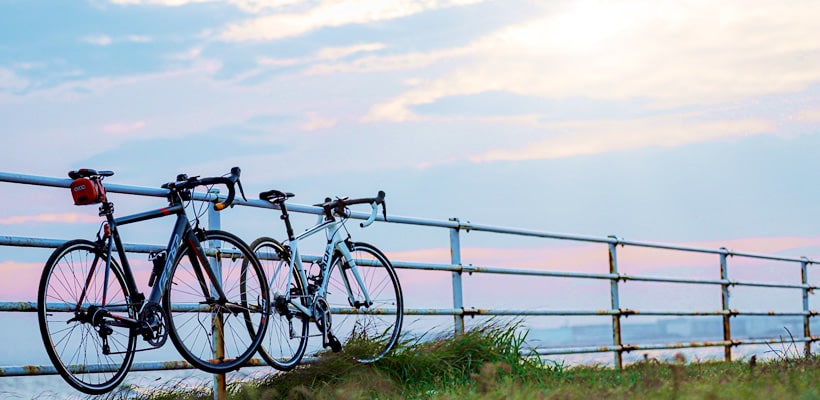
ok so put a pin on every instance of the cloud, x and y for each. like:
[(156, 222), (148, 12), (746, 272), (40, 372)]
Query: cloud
[(166, 3), (139, 39), (98, 40), (670, 54), (397, 62), (281, 62), (810, 115), (28, 66), (19, 281), (122, 128), (105, 40), (594, 137), (332, 13), (187, 55), (120, 108), (11, 82), (327, 53), (254, 6), (594, 258), (66, 218), (315, 121), (334, 53)]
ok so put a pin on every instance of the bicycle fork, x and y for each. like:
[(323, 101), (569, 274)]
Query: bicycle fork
[(350, 265)]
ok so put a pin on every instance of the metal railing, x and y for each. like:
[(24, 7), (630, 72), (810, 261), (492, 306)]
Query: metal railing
[(457, 268)]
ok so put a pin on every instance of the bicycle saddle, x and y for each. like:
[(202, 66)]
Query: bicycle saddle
[(275, 196), (87, 173)]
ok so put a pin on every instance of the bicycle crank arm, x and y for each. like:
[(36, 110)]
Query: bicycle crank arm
[(124, 322)]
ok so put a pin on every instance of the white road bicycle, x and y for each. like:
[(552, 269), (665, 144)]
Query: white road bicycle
[(354, 300)]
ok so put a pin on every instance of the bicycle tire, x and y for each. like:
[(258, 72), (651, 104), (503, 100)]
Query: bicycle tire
[(71, 343), (367, 332), (287, 336), (194, 318)]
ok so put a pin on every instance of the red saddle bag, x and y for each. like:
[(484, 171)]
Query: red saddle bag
[(87, 191)]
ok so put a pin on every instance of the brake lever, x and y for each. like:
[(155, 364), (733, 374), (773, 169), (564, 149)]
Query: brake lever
[(241, 190)]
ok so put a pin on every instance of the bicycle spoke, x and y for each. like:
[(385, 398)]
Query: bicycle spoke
[(74, 346), (374, 334), (192, 333)]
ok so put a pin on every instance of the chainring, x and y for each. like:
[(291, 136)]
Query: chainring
[(321, 312), (154, 327)]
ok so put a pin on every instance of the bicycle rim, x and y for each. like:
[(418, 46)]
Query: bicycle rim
[(211, 336), (367, 332), (74, 347), (286, 339)]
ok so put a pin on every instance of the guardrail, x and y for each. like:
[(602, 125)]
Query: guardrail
[(456, 268)]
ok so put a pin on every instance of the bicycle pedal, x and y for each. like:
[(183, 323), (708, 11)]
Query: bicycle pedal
[(334, 344)]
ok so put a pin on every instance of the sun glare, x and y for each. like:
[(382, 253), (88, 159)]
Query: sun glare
[(584, 26), (590, 25)]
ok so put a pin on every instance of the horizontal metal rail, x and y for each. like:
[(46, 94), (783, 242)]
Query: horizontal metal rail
[(670, 346), (25, 370), (456, 268), (28, 306), (144, 248)]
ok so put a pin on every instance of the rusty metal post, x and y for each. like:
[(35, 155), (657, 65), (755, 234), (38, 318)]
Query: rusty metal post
[(220, 383), (458, 297), (724, 295), (804, 273), (616, 304)]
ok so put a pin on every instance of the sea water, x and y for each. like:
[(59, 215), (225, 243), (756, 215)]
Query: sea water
[(20, 344)]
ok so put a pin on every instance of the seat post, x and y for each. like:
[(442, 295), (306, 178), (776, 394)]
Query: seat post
[(285, 217)]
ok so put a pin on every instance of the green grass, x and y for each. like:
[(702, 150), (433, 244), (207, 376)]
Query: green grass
[(485, 363)]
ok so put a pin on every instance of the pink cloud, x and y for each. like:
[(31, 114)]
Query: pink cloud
[(595, 257), (66, 218), (434, 289), (316, 121), (431, 289), (119, 128), (809, 115), (19, 281)]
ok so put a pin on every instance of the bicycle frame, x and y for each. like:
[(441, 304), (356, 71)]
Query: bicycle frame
[(182, 231), (334, 243)]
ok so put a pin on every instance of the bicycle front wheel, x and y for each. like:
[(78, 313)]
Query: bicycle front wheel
[(212, 333), (367, 331), (287, 335), (84, 343)]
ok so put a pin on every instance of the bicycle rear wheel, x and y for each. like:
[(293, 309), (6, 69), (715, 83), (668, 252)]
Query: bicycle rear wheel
[(287, 335), (75, 334), (369, 332), (211, 334)]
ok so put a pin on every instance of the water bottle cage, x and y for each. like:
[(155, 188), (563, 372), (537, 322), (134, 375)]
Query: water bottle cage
[(159, 263), (315, 279), (312, 288)]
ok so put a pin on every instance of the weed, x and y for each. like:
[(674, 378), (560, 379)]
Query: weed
[(487, 363), (788, 351)]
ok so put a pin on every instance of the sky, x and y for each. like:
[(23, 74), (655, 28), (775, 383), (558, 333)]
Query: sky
[(686, 122)]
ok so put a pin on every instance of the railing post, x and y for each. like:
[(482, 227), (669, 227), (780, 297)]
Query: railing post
[(804, 273), (455, 259), (220, 383), (724, 295), (616, 304)]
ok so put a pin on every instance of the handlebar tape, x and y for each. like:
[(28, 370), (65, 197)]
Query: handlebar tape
[(230, 182)]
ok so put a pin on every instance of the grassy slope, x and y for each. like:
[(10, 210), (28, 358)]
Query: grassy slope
[(485, 364)]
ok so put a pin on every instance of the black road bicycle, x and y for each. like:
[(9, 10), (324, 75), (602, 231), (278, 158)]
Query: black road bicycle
[(208, 292)]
